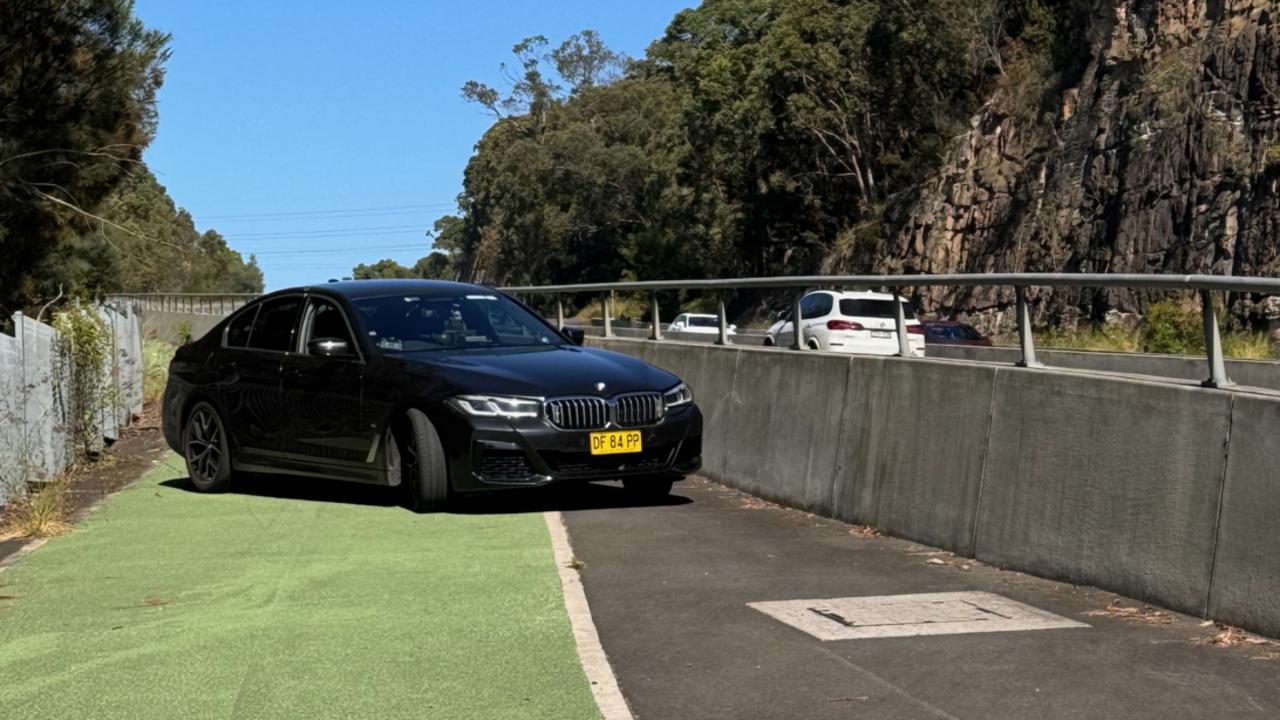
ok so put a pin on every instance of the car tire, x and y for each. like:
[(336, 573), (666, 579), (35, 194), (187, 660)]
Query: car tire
[(205, 449), (648, 488), (424, 472), (814, 344), (768, 341)]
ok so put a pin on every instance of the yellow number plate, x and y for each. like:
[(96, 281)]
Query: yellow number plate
[(613, 443)]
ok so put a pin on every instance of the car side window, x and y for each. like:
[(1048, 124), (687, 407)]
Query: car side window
[(275, 326), (815, 306), (240, 326), (327, 322)]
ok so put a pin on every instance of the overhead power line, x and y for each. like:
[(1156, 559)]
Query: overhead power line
[(319, 232), (329, 213), (360, 249)]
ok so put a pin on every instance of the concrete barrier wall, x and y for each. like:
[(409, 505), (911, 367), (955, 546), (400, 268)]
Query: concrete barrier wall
[(168, 326), (1163, 491), (1254, 373)]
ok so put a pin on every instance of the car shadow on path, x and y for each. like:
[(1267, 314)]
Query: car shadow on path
[(565, 497)]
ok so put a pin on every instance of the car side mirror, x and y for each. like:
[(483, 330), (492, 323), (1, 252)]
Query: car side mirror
[(329, 347), (575, 335)]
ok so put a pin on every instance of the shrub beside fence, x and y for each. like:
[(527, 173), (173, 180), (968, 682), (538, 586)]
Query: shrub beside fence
[(37, 403)]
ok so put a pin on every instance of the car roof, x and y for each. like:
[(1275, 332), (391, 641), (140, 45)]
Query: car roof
[(701, 315), (855, 294), (373, 288)]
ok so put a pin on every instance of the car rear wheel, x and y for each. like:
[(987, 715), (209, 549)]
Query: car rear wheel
[(768, 341), (648, 488), (424, 472), (204, 444)]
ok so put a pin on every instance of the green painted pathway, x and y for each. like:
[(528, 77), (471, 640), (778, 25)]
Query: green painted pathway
[(169, 604)]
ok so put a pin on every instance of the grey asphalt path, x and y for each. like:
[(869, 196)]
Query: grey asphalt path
[(669, 585)]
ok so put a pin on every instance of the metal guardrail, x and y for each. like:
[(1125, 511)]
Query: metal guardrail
[(1205, 285)]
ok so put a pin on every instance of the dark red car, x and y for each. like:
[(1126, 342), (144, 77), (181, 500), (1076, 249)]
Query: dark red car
[(950, 332)]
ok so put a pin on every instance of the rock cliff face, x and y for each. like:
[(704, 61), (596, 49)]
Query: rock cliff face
[(1160, 155)]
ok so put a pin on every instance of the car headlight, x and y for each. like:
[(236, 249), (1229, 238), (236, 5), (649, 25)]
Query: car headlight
[(497, 406), (677, 396)]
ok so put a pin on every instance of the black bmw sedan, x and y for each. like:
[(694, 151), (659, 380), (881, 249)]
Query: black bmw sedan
[(436, 387)]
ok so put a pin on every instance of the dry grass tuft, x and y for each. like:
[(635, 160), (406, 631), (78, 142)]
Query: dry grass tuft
[(42, 514)]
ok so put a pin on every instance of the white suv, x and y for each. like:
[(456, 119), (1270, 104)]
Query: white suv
[(849, 322)]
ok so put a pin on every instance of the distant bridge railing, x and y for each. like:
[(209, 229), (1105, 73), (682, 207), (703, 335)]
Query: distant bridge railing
[(194, 303), (1205, 285)]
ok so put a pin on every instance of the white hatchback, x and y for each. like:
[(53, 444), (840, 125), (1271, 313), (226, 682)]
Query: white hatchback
[(850, 322), (699, 323)]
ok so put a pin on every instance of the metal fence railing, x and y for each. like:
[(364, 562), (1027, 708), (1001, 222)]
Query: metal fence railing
[(1205, 285)]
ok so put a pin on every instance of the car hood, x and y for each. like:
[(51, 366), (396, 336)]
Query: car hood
[(541, 372)]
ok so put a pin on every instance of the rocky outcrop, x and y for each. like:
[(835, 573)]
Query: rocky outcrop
[(1161, 155)]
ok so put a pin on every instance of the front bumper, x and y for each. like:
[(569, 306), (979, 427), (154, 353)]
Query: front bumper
[(496, 453)]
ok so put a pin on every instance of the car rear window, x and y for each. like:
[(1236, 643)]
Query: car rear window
[(274, 327), (852, 307)]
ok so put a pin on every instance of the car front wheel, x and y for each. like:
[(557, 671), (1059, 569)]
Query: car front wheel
[(204, 443), (424, 472)]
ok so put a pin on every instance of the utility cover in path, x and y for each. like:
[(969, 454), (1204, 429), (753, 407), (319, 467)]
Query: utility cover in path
[(854, 618)]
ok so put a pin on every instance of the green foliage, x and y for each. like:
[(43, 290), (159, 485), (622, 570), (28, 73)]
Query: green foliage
[(1169, 327), (184, 332), (78, 80), (156, 355), (753, 135), (1173, 327), (384, 268), (151, 246), (87, 345)]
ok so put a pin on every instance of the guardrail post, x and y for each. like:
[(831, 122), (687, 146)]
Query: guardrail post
[(798, 333), (900, 325), (1024, 331), (605, 302), (724, 325), (559, 313), (655, 332), (1213, 344)]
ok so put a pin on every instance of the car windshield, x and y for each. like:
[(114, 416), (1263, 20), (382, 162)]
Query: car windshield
[(446, 320), (851, 307), (703, 321)]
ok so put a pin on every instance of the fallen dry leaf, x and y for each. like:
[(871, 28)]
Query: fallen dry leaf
[(1145, 614), (864, 531), (936, 561)]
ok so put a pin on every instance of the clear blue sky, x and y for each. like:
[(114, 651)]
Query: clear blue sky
[(315, 108)]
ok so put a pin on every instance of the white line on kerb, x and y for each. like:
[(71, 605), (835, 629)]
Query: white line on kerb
[(604, 685)]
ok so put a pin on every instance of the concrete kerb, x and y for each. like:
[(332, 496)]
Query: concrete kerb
[(1106, 482), (1245, 572)]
